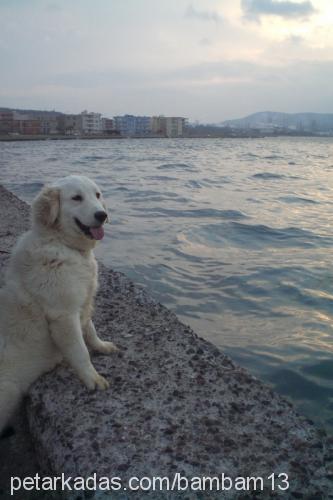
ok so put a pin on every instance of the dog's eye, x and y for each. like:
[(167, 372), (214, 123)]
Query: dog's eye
[(78, 197), (98, 195)]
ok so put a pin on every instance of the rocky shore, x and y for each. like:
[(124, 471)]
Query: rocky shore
[(176, 404)]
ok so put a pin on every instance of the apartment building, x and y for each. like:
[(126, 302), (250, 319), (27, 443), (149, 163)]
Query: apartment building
[(49, 126), (108, 126), (143, 125), (125, 125), (12, 122), (130, 125), (27, 127), (6, 122), (69, 124), (168, 126), (174, 126), (25, 124), (88, 123), (91, 123)]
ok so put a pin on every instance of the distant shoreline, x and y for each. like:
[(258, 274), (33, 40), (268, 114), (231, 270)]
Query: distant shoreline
[(20, 138)]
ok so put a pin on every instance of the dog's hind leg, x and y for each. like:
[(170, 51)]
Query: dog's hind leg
[(10, 396)]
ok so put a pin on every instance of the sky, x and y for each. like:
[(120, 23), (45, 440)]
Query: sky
[(206, 60)]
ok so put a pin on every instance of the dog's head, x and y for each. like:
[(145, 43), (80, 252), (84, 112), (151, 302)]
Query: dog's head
[(74, 208)]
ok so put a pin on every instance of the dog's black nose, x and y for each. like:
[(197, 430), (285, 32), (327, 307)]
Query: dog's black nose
[(101, 216)]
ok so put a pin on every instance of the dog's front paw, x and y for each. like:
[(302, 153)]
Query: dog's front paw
[(96, 381), (106, 347), (102, 383)]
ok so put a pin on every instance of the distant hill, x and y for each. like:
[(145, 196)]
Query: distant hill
[(33, 112), (308, 122)]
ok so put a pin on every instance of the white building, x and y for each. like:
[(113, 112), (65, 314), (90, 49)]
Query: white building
[(91, 123), (174, 126)]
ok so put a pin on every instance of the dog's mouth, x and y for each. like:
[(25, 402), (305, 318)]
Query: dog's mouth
[(94, 233)]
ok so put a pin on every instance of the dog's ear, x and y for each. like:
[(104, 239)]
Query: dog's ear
[(46, 206)]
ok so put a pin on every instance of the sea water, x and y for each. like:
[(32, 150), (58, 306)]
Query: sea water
[(234, 235)]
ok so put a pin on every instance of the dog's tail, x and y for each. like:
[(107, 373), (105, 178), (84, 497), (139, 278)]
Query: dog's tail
[(10, 396)]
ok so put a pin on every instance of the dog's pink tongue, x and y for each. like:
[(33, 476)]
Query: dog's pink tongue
[(97, 232)]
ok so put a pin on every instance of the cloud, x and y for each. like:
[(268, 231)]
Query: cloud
[(205, 41), (295, 39), (253, 9), (52, 7), (203, 15), (211, 92), (174, 57)]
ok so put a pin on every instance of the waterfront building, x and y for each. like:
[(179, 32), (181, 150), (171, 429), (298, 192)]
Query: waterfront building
[(143, 125), (168, 126), (108, 126), (70, 124), (88, 123), (12, 122), (91, 123), (48, 125), (27, 127), (6, 122), (125, 125), (130, 125)]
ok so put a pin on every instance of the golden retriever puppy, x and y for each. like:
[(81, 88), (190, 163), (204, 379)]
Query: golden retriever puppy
[(47, 300)]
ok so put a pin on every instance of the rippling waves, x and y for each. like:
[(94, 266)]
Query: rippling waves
[(234, 235)]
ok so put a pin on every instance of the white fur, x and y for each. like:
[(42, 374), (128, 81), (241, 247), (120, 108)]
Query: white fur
[(47, 300)]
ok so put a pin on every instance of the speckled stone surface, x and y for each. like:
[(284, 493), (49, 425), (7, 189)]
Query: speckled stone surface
[(176, 404)]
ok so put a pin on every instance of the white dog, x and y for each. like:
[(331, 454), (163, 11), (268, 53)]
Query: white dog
[(47, 301)]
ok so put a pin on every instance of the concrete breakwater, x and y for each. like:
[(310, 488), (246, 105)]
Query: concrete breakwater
[(176, 404)]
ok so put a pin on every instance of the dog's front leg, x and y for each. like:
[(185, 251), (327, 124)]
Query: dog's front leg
[(67, 335), (93, 340)]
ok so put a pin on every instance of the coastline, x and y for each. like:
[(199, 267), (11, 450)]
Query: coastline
[(25, 138), (176, 402)]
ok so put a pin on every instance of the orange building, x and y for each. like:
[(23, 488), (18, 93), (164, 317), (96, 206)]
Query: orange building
[(27, 127), (6, 122)]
